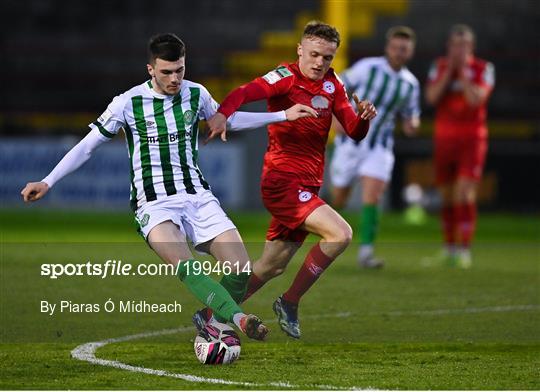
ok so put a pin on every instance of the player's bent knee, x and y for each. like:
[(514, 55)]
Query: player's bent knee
[(343, 236), (346, 236)]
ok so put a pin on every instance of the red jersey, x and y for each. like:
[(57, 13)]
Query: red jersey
[(454, 116), (297, 148)]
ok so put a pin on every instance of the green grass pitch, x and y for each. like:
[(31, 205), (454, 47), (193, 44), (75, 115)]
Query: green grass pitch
[(412, 325)]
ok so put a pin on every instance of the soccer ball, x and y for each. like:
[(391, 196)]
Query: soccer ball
[(217, 344)]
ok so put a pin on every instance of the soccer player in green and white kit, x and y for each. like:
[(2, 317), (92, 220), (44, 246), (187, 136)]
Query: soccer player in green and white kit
[(393, 89), (169, 195)]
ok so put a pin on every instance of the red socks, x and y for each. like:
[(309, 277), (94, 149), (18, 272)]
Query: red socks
[(314, 265), (254, 284), (459, 222), (466, 222), (448, 218)]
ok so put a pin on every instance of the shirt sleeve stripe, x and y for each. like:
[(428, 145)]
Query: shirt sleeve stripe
[(103, 131)]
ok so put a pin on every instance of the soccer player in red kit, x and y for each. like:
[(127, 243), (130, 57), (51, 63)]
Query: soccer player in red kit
[(294, 164), (459, 86)]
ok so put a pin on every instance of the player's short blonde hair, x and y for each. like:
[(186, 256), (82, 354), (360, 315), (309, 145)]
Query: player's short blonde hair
[(401, 32), (461, 30), (316, 28)]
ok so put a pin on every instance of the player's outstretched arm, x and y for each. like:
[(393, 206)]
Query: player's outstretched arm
[(74, 159), (255, 90), (240, 121), (299, 111)]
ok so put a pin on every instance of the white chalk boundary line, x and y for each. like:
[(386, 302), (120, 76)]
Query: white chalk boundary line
[(87, 352)]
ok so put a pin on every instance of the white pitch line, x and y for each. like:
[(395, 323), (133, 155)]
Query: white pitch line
[(87, 352)]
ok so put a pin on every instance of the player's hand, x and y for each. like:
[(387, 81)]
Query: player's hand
[(218, 126), (300, 111), (366, 109), (34, 191)]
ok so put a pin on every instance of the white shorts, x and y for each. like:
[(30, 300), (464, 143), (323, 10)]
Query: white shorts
[(351, 160), (199, 217)]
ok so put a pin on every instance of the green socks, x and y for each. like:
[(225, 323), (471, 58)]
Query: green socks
[(209, 292), (369, 223), (236, 285)]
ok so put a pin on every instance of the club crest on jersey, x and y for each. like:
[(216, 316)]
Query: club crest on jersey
[(189, 117), (319, 102), (329, 87), (304, 196)]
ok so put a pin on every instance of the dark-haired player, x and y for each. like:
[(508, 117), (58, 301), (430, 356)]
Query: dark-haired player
[(294, 164), (171, 200)]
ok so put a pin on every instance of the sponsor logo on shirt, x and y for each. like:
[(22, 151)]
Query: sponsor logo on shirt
[(171, 138), (150, 124), (329, 87), (319, 102), (304, 196)]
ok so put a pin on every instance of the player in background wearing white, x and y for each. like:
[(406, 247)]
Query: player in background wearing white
[(394, 90), (171, 200)]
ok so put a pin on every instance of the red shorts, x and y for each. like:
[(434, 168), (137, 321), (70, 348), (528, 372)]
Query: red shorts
[(459, 157), (290, 203)]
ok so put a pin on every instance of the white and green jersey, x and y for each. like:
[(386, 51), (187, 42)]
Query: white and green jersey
[(391, 92), (161, 133)]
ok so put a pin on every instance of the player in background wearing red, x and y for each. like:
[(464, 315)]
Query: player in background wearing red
[(459, 86), (294, 164)]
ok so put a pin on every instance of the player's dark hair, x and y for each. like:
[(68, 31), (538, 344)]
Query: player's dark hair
[(166, 47), (322, 30), (461, 30), (401, 32)]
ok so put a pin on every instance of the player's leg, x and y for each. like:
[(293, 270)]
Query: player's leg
[(465, 192), (343, 168), (445, 176), (273, 262), (336, 234), (229, 249), (276, 255), (470, 167), (340, 195), (169, 242), (372, 192), (211, 231), (375, 172)]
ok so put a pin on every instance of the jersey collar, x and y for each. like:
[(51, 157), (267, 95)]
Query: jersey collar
[(148, 85)]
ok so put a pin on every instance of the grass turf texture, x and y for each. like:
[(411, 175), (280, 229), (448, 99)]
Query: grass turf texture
[(409, 326)]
